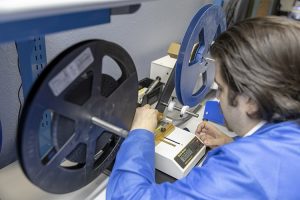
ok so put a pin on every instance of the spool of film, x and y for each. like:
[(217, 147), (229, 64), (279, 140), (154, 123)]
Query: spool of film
[(206, 25), (80, 65)]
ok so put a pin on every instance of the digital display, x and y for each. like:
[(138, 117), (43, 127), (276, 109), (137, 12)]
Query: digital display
[(188, 152)]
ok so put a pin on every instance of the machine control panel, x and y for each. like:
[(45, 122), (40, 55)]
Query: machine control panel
[(188, 152)]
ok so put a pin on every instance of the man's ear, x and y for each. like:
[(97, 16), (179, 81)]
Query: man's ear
[(251, 108)]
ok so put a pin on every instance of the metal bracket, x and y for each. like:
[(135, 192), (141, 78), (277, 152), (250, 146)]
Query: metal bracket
[(32, 60)]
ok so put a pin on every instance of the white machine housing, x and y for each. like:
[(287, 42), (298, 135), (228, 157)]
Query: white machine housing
[(178, 142), (164, 152), (163, 67)]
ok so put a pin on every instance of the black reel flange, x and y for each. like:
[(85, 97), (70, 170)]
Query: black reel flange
[(70, 91)]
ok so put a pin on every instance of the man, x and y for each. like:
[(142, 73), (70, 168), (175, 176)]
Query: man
[(258, 74)]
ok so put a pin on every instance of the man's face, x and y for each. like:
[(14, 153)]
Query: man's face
[(232, 115)]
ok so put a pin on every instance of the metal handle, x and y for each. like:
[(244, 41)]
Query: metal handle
[(115, 129)]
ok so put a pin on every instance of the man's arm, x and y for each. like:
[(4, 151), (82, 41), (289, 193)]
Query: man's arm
[(222, 176), (133, 173), (134, 166)]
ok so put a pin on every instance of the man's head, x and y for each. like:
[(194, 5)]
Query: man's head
[(258, 61)]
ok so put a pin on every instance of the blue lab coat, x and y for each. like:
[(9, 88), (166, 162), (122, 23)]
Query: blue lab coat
[(265, 165)]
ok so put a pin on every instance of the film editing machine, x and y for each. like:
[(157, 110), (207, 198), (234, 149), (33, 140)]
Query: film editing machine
[(90, 112)]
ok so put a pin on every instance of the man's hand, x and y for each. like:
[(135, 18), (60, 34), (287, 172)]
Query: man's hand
[(145, 118), (211, 136)]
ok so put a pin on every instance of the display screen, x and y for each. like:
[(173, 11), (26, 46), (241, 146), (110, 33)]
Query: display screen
[(188, 152)]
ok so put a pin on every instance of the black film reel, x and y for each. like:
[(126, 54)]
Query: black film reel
[(62, 101)]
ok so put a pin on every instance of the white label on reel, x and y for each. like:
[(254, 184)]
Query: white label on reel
[(62, 80)]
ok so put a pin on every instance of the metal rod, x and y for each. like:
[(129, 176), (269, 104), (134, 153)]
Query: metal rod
[(153, 85), (109, 127), (179, 109)]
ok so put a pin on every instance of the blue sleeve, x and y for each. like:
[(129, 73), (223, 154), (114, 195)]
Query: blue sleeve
[(133, 172), (221, 177)]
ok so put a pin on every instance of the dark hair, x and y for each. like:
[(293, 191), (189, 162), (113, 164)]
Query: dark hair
[(260, 58)]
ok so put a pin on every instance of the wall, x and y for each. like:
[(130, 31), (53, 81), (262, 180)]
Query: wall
[(145, 35)]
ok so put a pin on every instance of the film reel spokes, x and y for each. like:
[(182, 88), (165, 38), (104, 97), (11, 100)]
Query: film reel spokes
[(206, 25), (72, 90)]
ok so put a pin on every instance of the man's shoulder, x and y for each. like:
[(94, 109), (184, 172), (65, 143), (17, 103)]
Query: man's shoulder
[(272, 143)]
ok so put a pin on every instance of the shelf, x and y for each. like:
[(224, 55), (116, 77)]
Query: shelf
[(12, 10), (21, 19)]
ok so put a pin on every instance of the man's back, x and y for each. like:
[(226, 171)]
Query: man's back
[(267, 163)]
